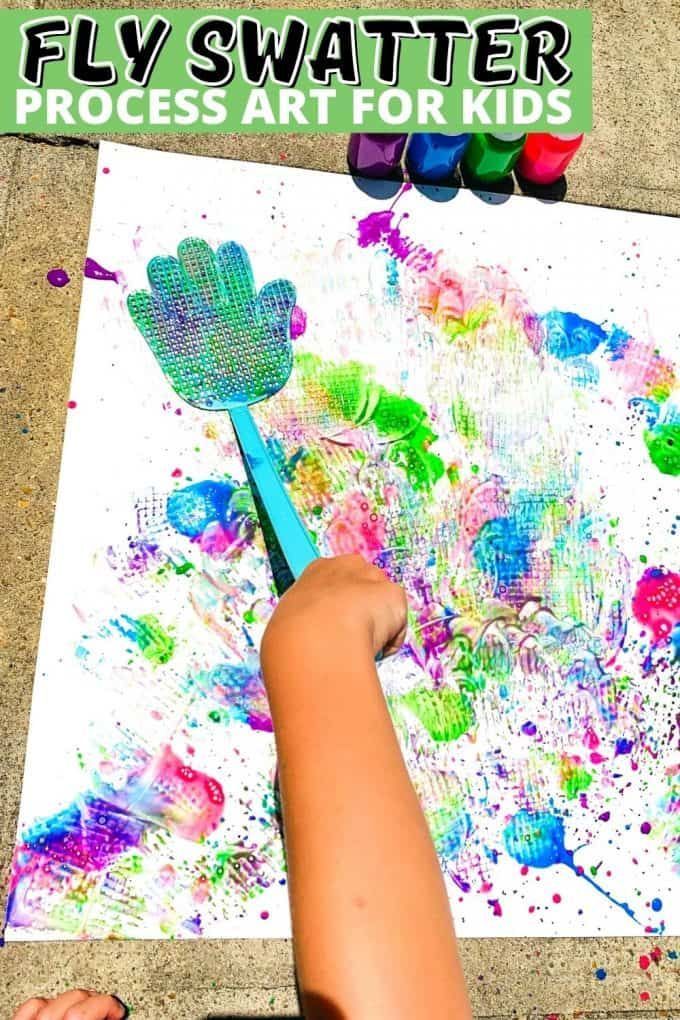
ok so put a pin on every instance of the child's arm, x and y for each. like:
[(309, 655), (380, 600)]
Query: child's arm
[(372, 929)]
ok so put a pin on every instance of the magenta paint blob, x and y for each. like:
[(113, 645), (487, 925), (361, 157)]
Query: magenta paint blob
[(57, 277), (298, 322), (94, 271), (381, 229)]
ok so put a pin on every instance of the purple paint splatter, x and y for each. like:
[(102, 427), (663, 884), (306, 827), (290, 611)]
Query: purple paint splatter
[(57, 277), (94, 271)]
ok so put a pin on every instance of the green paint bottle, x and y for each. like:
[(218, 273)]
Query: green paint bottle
[(490, 157)]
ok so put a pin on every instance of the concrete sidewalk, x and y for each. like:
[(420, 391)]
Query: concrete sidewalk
[(632, 160)]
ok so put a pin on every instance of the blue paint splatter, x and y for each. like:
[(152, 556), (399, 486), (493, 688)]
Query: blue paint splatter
[(89, 834), (501, 550), (239, 688), (600, 973), (617, 343), (536, 840), (568, 335), (657, 904), (450, 839), (190, 510)]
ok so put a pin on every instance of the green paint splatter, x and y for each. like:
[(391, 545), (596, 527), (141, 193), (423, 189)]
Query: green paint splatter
[(573, 779), (134, 864), (464, 420), (471, 321), (153, 641), (663, 446), (353, 395), (446, 714)]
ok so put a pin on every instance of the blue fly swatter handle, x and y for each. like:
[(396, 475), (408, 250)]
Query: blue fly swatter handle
[(291, 534)]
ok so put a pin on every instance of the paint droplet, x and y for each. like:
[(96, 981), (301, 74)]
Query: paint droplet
[(645, 828), (557, 898), (298, 322), (94, 271), (71, 404), (57, 277), (644, 996), (264, 914), (644, 962), (600, 973), (106, 170), (657, 904), (177, 473)]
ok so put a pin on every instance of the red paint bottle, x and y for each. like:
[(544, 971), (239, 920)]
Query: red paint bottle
[(545, 157)]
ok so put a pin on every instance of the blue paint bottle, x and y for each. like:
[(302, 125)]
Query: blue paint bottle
[(433, 158)]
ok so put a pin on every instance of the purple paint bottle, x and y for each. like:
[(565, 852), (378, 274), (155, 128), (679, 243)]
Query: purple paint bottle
[(375, 155)]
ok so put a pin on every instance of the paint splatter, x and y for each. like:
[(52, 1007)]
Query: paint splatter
[(57, 277), (94, 271), (663, 446)]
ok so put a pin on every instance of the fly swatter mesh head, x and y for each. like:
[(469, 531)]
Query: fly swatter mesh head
[(220, 343)]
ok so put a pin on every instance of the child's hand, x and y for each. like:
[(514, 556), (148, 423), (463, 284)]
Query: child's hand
[(75, 1005), (338, 600)]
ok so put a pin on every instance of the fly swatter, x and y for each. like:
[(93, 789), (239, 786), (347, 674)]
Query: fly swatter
[(224, 346)]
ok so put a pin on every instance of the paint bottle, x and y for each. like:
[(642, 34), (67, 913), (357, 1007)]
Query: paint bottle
[(433, 158), (375, 155), (491, 157), (545, 157)]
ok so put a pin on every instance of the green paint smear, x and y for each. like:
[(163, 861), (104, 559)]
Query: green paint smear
[(574, 780), (464, 420), (471, 321), (153, 641), (663, 447), (353, 394), (445, 714)]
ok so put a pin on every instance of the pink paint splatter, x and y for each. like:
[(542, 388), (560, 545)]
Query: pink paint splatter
[(355, 528), (656, 602), (71, 404), (641, 370), (644, 962), (176, 473), (178, 796), (298, 322)]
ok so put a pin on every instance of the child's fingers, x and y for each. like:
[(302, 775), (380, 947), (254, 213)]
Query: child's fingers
[(98, 1007), (30, 1009), (58, 1008), (75, 1005)]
